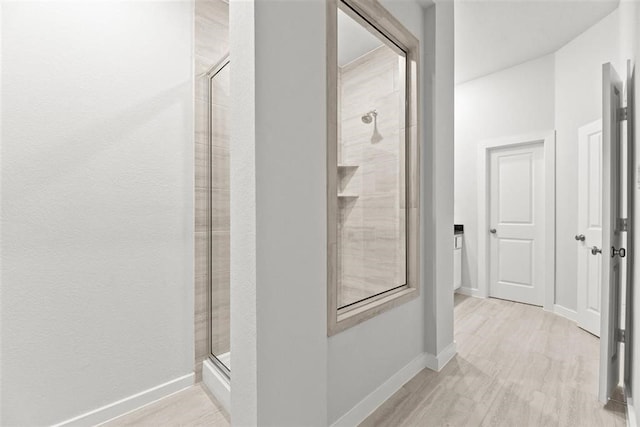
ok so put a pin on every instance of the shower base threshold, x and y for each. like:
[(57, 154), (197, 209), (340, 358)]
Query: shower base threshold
[(217, 383)]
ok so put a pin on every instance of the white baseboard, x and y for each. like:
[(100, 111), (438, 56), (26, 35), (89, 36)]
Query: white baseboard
[(369, 404), (366, 406), (217, 383), (470, 292), (131, 403), (632, 419), (565, 312), (436, 363)]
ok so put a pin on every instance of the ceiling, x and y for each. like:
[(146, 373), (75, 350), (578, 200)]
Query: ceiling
[(354, 40), (493, 35)]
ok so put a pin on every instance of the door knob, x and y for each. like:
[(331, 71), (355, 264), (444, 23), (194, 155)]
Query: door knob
[(595, 250), (580, 237), (492, 230), (620, 252)]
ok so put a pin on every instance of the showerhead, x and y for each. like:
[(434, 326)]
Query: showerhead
[(368, 118)]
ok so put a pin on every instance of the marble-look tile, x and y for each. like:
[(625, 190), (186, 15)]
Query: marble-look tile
[(211, 44), (202, 169), (220, 251), (220, 167), (201, 204), (371, 229), (201, 251)]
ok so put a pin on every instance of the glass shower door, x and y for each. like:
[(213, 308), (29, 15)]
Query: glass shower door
[(219, 209)]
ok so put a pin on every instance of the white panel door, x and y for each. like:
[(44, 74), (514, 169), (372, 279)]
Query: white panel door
[(589, 232), (611, 234), (516, 223)]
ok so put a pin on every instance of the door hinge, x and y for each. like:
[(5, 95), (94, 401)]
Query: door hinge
[(621, 336), (623, 224), (622, 114)]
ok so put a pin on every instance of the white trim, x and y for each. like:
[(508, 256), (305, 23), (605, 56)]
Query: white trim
[(472, 292), (436, 363), (131, 403), (217, 383), (369, 404), (565, 312), (632, 418), (548, 138), (583, 318)]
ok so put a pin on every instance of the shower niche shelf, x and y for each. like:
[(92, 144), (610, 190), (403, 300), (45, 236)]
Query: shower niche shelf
[(345, 172), (346, 168)]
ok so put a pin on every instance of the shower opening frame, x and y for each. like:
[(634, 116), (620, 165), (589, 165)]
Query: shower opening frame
[(211, 74), (374, 17)]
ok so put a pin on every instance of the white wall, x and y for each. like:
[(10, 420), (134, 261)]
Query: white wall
[(438, 165), (561, 91), (515, 101), (278, 213), (578, 100), (358, 363), (278, 299), (97, 211)]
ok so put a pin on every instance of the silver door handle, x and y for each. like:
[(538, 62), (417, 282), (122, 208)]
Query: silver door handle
[(580, 237), (620, 252), (595, 250), (492, 230)]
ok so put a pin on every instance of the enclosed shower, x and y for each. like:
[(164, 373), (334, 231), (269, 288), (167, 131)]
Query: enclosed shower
[(212, 186), (371, 241), (219, 250)]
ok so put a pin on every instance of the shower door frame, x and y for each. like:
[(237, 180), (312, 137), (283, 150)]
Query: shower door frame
[(372, 15), (213, 71)]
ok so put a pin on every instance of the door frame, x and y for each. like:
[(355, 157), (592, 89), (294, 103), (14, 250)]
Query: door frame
[(585, 130), (548, 139)]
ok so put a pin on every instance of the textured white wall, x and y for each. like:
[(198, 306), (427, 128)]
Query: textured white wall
[(578, 101), (561, 91), (244, 397), (97, 204), (438, 161), (358, 363), (281, 353), (278, 213), (515, 101)]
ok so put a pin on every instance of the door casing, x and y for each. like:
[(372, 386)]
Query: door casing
[(587, 318), (548, 139)]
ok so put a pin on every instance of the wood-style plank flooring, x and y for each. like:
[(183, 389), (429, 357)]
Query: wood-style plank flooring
[(517, 365), (191, 407)]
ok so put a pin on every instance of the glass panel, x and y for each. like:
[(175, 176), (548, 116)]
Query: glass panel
[(219, 140), (371, 162)]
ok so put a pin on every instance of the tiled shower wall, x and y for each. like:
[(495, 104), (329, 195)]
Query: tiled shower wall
[(211, 45), (371, 225)]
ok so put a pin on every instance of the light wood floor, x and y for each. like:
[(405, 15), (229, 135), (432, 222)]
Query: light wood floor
[(516, 366), (191, 407)]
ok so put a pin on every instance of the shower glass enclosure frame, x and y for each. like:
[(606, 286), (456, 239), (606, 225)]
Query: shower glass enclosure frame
[(220, 360), (372, 16)]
